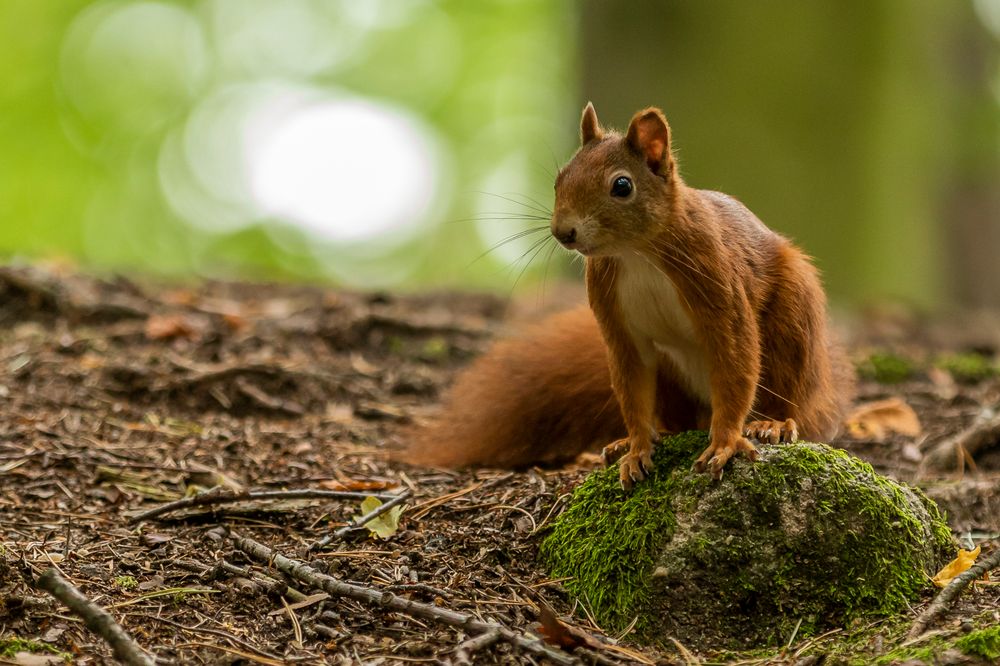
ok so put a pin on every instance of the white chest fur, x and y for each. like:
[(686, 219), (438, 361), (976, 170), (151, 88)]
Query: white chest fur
[(658, 321)]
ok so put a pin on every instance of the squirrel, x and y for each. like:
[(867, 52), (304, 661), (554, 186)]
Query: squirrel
[(700, 316)]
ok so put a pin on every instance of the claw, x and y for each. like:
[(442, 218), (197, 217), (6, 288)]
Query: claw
[(772, 432), (635, 465), (613, 451), (714, 458)]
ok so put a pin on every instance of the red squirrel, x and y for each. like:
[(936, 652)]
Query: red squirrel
[(700, 316)]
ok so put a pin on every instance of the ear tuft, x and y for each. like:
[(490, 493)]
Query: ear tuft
[(590, 128), (649, 136)]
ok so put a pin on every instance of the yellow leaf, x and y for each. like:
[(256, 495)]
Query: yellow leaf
[(965, 559), (877, 420), (383, 526)]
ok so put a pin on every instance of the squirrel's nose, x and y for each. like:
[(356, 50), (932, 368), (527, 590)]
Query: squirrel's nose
[(566, 236)]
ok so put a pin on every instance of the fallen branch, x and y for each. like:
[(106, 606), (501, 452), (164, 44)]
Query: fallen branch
[(202, 374), (96, 618), (469, 623), (221, 495), (952, 452), (363, 520), (947, 596)]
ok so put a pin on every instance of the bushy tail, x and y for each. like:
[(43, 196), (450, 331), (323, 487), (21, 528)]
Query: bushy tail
[(542, 397)]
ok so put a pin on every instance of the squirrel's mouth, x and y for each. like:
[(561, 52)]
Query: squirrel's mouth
[(575, 246)]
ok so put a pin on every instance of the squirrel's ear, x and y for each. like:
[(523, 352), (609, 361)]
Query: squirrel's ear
[(590, 129), (649, 136)]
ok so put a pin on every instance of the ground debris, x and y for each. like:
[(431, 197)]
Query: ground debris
[(105, 415)]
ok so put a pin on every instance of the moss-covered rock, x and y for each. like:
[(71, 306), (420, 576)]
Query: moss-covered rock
[(809, 537)]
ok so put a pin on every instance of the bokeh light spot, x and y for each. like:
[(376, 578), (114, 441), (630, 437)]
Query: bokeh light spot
[(345, 169), (133, 67)]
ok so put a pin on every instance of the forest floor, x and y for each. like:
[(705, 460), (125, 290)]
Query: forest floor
[(116, 398)]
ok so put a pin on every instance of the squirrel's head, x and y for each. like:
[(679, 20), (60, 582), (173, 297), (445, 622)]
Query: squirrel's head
[(610, 196)]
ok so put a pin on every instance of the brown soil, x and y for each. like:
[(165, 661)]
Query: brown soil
[(115, 398)]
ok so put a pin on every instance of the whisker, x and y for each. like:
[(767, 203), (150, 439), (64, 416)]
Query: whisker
[(545, 274), (761, 416), (688, 265), (508, 239), (537, 247), (674, 261), (515, 201), (499, 217), (776, 395), (555, 160), (549, 174), (680, 292), (512, 265), (539, 206)]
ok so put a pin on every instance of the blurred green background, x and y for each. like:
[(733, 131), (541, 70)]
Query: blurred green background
[(391, 143)]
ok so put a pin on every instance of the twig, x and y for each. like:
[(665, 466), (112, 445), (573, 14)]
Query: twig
[(946, 596), (427, 505), (306, 574), (363, 520), (96, 618), (222, 495), (214, 572), (465, 650), (420, 587)]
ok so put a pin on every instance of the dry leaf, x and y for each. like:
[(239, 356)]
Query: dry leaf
[(202, 476), (184, 297), (235, 321), (362, 366), (168, 327), (875, 421), (965, 559), (35, 659), (558, 633), (383, 526), (340, 413)]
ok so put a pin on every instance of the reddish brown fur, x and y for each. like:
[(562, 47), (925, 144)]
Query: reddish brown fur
[(543, 397), (754, 303)]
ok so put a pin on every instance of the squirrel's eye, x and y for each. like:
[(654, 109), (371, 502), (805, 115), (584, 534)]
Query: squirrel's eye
[(622, 187)]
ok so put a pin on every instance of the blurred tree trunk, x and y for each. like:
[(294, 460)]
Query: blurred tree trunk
[(971, 210), (837, 123)]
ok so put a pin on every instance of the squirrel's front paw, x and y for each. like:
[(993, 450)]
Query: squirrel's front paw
[(635, 465), (718, 453)]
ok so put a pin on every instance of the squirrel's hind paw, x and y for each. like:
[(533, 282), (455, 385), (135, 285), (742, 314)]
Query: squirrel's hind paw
[(613, 451), (772, 431)]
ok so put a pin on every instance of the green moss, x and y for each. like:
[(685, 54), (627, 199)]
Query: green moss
[(886, 368), (607, 539), (434, 349), (967, 368), (808, 537), (925, 654), (9, 647), (126, 582), (983, 643)]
